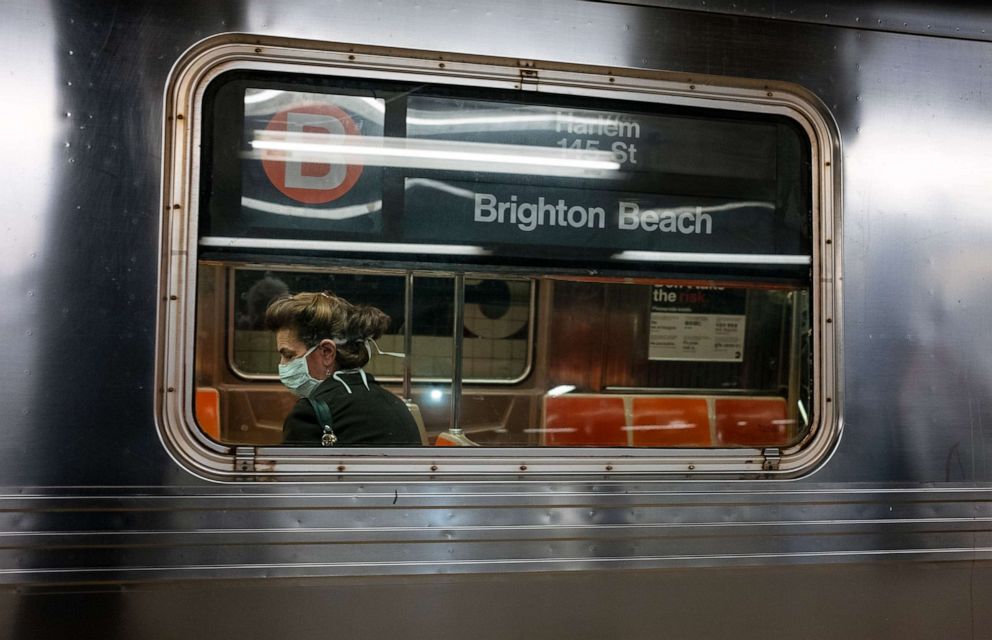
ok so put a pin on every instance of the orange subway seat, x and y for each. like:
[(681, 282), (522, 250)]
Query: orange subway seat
[(592, 420), (660, 421), (752, 422), (448, 439), (207, 407)]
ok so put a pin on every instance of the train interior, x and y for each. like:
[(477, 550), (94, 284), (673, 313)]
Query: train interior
[(544, 361)]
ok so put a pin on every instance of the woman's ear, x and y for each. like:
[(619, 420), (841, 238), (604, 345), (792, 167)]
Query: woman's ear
[(328, 352)]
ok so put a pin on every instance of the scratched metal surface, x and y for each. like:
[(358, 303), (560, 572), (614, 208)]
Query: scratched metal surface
[(90, 497)]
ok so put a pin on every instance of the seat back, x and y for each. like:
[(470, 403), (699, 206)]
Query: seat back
[(670, 421), (590, 420), (419, 419), (752, 422), (456, 439), (665, 421), (207, 406)]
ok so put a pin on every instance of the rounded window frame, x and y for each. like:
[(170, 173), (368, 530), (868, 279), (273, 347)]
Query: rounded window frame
[(182, 132)]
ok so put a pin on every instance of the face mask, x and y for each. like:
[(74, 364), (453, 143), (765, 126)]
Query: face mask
[(296, 375)]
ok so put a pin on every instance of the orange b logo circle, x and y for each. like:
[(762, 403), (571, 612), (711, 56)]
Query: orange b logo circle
[(312, 182)]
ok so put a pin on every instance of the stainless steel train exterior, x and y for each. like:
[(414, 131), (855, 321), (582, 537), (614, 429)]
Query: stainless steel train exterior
[(105, 533)]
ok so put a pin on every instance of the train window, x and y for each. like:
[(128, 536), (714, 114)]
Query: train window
[(632, 275)]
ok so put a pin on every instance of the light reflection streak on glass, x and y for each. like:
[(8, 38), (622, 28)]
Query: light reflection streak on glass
[(494, 117), (557, 119), (468, 194), (263, 95), (659, 427), (560, 390), (712, 258), (255, 101), (340, 246), (338, 213), (290, 146)]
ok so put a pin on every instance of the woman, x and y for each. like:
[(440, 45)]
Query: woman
[(323, 343)]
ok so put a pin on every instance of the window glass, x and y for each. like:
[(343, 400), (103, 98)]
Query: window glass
[(558, 271)]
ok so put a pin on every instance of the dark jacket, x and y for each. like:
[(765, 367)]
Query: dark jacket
[(370, 417)]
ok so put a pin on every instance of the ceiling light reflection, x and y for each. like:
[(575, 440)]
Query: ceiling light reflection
[(341, 246), (336, 213), (254, 96), (712, 258), (293, 146)]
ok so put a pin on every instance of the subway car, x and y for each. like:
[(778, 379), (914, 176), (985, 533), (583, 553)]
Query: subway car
[(689, 301)]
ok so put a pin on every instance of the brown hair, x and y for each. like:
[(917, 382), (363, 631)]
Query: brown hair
[(319, 316)]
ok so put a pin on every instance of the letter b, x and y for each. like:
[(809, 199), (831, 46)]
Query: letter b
[(485, 207), (629, 218)]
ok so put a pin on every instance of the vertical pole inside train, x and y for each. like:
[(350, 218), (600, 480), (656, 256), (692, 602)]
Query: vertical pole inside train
[(798, 330), (407, 335), (456, 353)]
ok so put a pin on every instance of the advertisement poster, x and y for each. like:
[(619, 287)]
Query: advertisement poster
[(697, 323)]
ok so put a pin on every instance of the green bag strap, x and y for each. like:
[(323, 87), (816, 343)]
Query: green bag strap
[(327, 439)]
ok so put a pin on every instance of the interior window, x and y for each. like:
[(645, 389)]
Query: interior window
[(497, 323)]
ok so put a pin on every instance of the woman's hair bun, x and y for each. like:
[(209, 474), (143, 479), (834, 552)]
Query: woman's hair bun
[(365, 322)]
